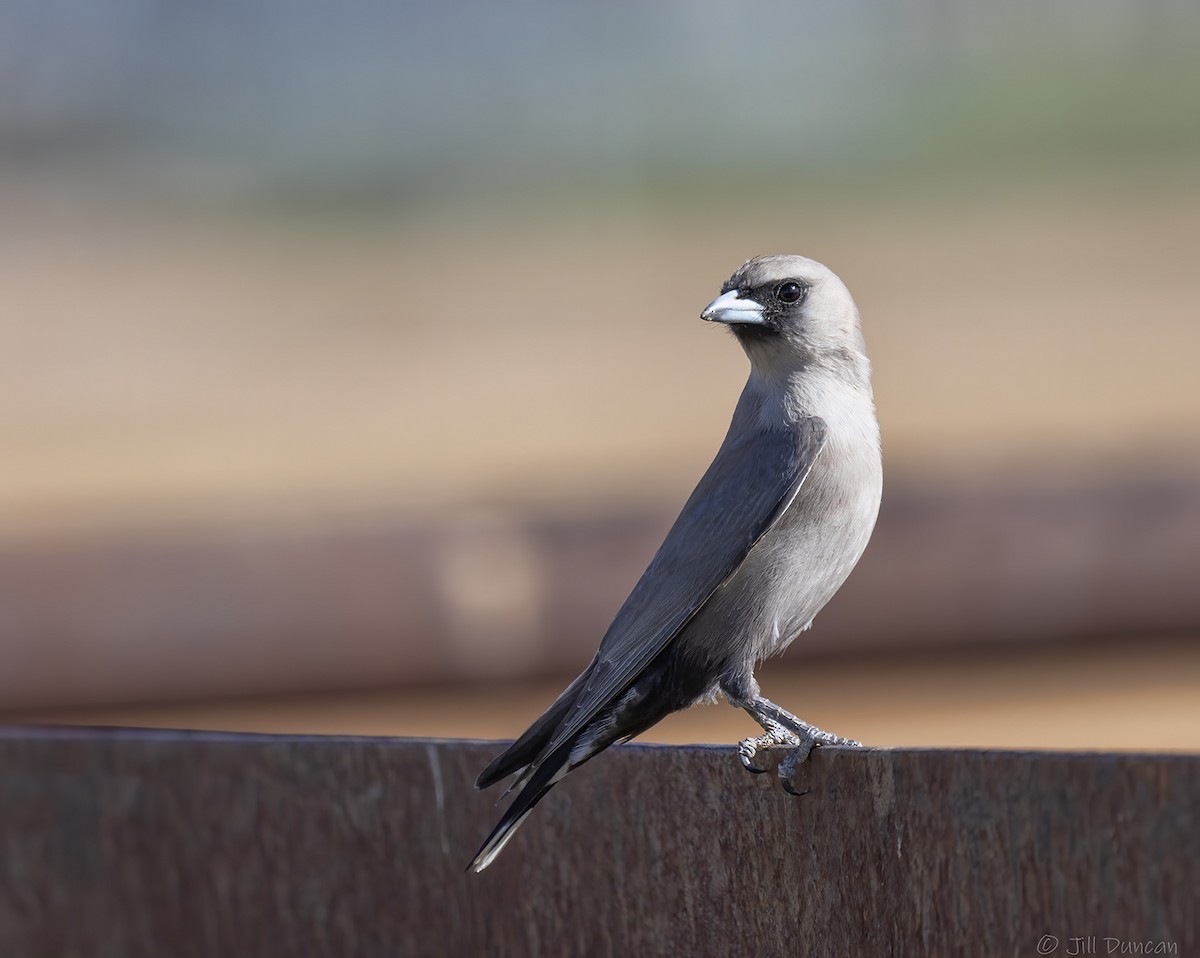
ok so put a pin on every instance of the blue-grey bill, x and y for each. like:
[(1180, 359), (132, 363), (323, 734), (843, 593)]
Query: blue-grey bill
[(732, 308)]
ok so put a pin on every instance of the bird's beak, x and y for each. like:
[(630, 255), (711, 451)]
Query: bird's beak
[(730, 308)]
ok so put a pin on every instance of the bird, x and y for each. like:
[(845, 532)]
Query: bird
[(770, 533)]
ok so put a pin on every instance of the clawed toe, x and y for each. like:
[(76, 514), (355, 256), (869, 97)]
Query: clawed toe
[(749, 749), (795, 758), (801, 754)]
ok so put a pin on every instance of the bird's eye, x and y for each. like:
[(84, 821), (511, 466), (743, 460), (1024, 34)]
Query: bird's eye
[(789, 292)]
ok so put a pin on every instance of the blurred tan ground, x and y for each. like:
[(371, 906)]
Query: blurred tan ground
[(154, 368), (1132, 694)]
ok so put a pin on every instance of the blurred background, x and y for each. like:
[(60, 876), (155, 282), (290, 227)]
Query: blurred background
[(351, 368)]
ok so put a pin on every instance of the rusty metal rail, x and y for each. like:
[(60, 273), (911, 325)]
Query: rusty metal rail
[(987, 561), (127, 843)]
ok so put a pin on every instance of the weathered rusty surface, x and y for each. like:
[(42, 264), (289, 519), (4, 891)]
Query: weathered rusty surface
[(473, 594), (131, 843)]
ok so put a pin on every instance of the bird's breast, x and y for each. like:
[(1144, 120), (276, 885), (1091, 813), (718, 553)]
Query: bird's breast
[(800, 563)]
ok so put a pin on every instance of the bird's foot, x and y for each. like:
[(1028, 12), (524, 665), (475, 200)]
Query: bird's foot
[(781, 727), (770, 716), (749, 748), (811, 738)]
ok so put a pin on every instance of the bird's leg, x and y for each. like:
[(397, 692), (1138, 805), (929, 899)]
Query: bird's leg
[(780, 727), (783, 728), (767, 714)]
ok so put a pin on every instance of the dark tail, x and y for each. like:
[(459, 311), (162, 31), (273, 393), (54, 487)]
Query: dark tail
[(544, 777), (634, 711), (528, 747)]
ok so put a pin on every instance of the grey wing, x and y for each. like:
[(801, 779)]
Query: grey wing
[(746, 489)]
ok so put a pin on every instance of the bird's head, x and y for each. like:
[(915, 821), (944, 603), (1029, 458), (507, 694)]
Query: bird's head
[(790, 312)]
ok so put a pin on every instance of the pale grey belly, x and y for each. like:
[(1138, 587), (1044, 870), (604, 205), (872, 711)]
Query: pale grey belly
[(791, 573)]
